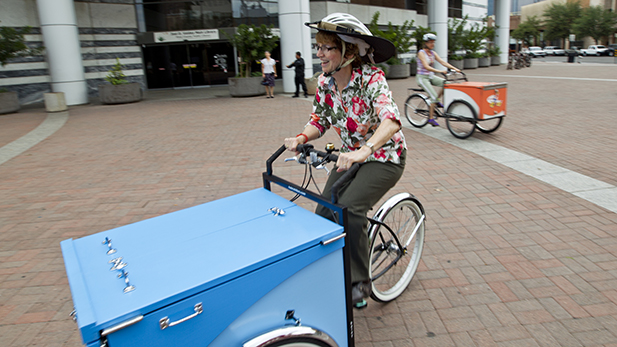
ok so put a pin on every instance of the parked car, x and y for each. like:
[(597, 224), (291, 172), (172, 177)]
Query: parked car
[(595, 50), (611, 49), (534, 51), (554, 50), (575, 49)]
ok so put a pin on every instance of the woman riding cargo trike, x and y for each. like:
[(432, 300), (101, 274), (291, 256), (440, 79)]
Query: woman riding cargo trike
[(255, 269)]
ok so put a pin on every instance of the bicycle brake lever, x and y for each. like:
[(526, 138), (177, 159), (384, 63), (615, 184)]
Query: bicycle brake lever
[(300, 160), (323, 167)]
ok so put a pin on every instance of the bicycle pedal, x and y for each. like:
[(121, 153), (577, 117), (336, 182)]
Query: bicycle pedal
[(360, 305)]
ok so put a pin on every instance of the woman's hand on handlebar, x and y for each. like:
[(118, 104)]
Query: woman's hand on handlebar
[(292, 142), (346, 160)]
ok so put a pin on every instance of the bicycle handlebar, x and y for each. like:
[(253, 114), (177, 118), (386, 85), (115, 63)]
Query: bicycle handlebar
[(307, 149), (452, 73)]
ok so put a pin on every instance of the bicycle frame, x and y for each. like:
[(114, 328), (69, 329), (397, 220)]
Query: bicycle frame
[(339, 210)]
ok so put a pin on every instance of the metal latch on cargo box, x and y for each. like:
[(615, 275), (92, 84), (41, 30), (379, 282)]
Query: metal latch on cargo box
[(277, 211)]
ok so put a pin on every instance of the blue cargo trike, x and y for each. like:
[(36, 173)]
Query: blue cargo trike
[(250, 270)]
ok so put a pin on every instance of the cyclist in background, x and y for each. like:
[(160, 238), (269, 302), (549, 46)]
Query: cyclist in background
[(425, 76), (353, 98)]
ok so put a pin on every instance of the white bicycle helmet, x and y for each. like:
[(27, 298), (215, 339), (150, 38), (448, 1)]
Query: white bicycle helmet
[(429, 36), (351, 30)]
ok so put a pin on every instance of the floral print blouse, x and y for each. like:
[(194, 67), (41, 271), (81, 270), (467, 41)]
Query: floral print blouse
[(356, 113)]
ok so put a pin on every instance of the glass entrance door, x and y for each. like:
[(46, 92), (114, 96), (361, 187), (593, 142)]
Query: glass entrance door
[(188, 65)]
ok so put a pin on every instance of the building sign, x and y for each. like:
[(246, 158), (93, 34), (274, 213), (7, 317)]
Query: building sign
[(187, 35)]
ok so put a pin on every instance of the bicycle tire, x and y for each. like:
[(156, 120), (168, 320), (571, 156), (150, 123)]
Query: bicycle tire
[(299, 342), (417, 110), (392, 268), (489, 125), (461, 119)]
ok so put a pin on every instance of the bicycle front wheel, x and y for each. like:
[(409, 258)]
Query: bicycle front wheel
[(395, 253), (299, 343), (489, 125), (461, 119), (416, 110)]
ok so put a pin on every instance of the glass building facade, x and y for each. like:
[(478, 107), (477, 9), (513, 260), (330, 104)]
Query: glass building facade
[(174, 59)]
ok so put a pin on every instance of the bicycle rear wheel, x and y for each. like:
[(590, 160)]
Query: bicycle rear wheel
[(416, 110), (461, 119), (395, 253)]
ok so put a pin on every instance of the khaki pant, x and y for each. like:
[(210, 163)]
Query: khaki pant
[(371, 183)]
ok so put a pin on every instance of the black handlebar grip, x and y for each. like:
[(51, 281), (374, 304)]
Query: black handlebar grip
[(273, 157), (346, 177)]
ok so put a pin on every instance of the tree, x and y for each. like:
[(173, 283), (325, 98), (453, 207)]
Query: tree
[(472, 40), (559, 19), (456, 34), (528, 31), (252, 42), (12, 44), (595, 22), (398, 35)]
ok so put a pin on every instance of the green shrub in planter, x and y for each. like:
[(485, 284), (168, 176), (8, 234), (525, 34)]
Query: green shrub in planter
[(115, 75), (120, 90), (495, 53), (9, 102), (252, 42), (13, 45), (398, 35)]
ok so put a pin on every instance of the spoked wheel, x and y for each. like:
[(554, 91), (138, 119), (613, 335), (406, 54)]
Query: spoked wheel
[(461, 119), (394, 259), (416, 110), (489, 125)]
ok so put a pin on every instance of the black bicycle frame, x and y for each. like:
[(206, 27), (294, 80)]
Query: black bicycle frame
[(341, 212), (398, 244)]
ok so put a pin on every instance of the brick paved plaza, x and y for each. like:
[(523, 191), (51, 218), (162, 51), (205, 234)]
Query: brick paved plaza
[(509, 259)]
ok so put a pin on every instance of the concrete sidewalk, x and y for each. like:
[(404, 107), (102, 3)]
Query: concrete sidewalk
[(510, 260)]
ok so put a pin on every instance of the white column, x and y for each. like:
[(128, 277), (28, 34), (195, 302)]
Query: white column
[(295, 37), (63, 50), (438, 22), (502, 21)]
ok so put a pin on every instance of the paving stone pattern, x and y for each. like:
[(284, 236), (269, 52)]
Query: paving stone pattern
[(509, 260)]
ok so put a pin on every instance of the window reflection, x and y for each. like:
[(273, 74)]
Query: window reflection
[(173, 15), (255, 12)]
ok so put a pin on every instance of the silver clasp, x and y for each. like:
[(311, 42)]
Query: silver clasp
[(277, 211), (118, 264), (125, 275), (107, 242)]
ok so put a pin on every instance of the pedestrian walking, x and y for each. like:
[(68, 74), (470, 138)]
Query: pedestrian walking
[(299, 66)]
